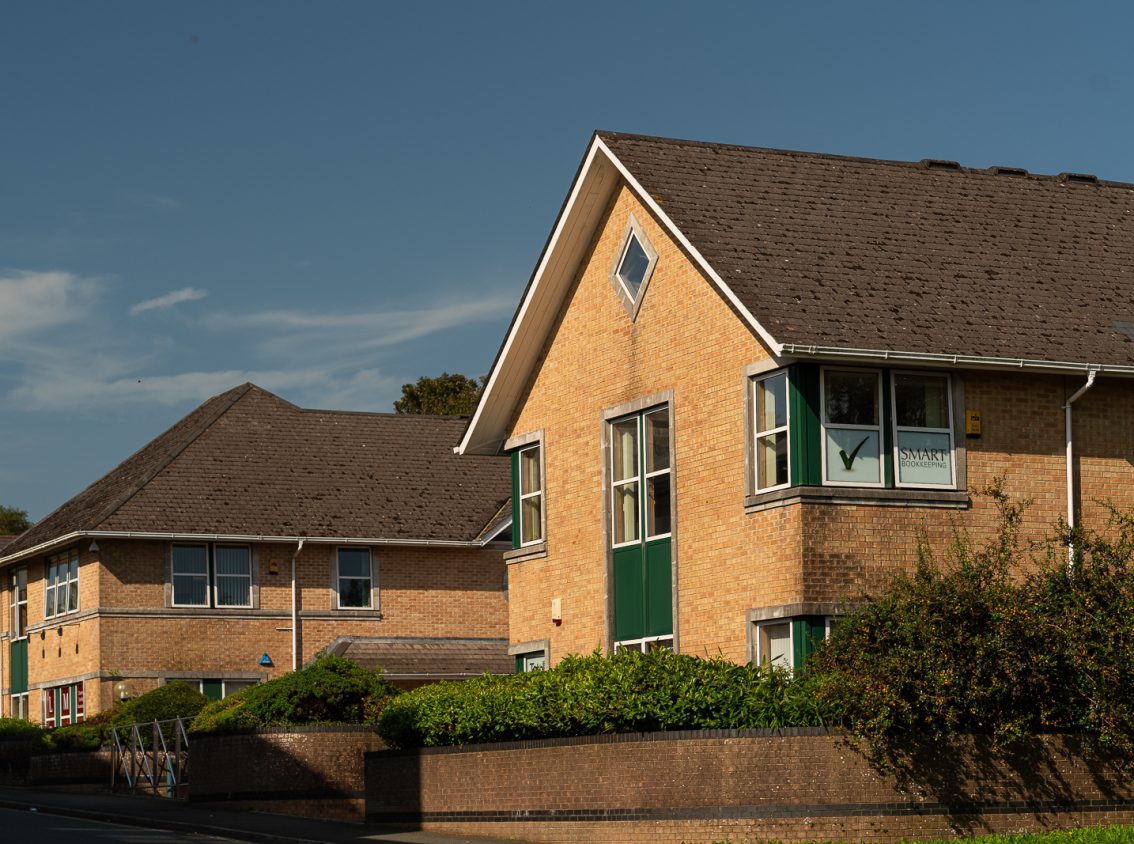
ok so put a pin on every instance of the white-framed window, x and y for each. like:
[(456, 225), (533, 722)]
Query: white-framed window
[(18, 604), (19, 706), (530, 472), (533, 661), (633, 267), (354, 579), (851, 421), (922, 405), (646, 645), (640, 456), (207, 575), (216, 689), (61, 584), (770, 428), (774, 644)]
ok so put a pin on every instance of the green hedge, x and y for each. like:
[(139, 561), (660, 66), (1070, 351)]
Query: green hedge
[(332, 690), (628, 692), (18, 728)]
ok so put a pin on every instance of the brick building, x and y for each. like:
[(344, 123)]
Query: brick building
[(742, 382), (245, 539)]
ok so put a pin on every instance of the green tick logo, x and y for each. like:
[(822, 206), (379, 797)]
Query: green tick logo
[(848, 459)]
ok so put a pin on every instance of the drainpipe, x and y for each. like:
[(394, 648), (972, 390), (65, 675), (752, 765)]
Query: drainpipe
[(1070, 461), (295, 605)]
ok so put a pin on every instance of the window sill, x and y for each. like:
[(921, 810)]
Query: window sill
[(867, 496), (534, 551), (345, 612)]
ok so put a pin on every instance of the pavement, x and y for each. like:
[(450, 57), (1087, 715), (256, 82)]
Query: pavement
[(179, 816)]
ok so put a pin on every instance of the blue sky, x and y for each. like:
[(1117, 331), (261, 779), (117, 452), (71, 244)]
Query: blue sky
[(333, 198)]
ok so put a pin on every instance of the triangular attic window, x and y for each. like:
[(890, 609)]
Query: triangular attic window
[(635, 265)]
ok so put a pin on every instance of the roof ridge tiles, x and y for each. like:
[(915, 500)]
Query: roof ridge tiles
[(862, 159)]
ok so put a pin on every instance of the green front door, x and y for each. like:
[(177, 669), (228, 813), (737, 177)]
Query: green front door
[(641, 530)]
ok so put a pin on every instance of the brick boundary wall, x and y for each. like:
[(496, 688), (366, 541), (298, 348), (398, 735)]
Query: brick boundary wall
[(15, 757), (306, 771), (792, 785), (79, 769)]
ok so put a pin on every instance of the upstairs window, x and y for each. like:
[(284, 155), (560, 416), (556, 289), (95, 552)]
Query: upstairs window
[(354, 579), (61, 584), (531, 494), (18, 625), (852, 427), (770, 402), (212, 575), (923, 430), (633, 267)]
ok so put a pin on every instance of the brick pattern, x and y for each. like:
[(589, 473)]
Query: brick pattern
[(737, 785), (688, 341), (87, 771), (136, 638), (310, 772)]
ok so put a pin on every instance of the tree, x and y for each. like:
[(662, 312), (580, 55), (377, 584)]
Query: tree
[(13, 521), (445, 395)]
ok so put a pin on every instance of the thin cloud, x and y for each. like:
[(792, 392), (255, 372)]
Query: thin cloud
[(174, 297), (312, 387), (31, 302), (153, 200)]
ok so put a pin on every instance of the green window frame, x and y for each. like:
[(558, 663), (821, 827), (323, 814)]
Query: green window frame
[(531, 661), (907, 443)]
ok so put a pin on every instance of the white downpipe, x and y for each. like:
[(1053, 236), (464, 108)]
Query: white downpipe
[(295, 610), (1070, 442)]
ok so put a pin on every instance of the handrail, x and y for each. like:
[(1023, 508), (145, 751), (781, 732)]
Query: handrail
[(144, 760)]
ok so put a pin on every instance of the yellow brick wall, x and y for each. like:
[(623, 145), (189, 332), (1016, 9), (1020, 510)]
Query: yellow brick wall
[(687, 340), (422, 592)]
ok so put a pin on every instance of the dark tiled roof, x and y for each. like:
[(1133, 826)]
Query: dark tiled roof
[(427, 659), (5, 541), (249, 463), (857, 253)]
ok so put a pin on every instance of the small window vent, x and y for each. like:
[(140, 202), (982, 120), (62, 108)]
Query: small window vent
[(939, 164), (1080, 178), (1008, 171)]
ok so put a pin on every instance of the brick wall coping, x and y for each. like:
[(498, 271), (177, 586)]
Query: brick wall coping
[(262, 731), (612, 738)]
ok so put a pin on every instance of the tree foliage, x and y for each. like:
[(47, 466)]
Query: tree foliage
[(13, 521), (445, 395)]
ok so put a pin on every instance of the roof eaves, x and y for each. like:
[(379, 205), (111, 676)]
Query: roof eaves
[(802, 350)]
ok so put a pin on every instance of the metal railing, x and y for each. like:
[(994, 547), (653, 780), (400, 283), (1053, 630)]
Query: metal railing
[(151, 758)]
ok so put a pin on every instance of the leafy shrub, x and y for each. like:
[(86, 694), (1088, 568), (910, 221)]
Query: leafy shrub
[(18, 728), (627, 692), (91, 734), (173, 700), (966, 648), (332, 690)]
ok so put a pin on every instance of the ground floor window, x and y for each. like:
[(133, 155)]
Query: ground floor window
[(18, 706), (219, 689), (788, 642), (532, 661), (63, 705), (647, 645)]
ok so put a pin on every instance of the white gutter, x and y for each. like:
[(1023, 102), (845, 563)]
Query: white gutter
[(241, 537), (974, 361), (1070, 460), (295, 610)]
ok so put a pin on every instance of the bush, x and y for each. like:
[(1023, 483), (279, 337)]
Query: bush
[(18, 728), (91, 734), (965, 648), (173, 700), (627, 692), (332, 690)]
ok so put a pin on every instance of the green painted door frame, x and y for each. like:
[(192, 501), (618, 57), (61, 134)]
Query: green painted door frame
[(643, 571)]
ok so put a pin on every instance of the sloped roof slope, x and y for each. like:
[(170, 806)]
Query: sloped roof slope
[(247, 463), (863, 254)]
